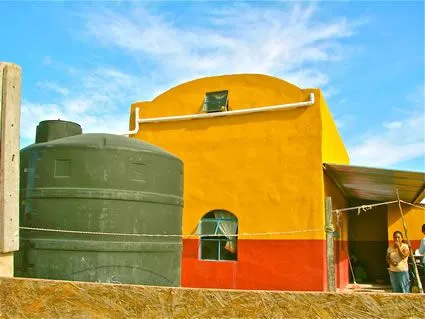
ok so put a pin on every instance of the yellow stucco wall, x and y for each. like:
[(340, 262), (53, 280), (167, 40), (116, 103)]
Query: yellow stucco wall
[(333, 151), (414, 217), (338, 201), (265, 167), (333, 148)]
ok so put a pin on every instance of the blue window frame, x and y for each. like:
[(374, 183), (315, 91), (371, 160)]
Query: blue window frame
[(218, 234)]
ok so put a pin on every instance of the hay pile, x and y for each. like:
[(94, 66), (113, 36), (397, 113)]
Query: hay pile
[(31, 298)]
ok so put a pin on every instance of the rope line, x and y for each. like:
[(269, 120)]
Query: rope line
[(417, 206), (365, 208), (163, 235)]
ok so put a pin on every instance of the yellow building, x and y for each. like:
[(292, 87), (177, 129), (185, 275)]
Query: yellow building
[(253, 147)]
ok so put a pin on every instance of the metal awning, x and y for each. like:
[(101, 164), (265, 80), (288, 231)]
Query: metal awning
[(377, 184)]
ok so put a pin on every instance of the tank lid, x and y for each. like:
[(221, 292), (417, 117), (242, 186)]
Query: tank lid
[(108, 141), (50, 130), (58, 121)]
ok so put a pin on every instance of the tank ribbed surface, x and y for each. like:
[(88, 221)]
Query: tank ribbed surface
[(101, 183)]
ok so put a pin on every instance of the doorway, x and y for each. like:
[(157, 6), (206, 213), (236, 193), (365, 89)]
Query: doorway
[(368, 242)]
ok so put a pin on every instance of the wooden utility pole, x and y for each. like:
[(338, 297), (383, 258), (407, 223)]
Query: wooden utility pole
[(330, 244), (10, 104)]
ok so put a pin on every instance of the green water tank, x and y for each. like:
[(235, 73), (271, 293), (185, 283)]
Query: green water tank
[(122, 192)]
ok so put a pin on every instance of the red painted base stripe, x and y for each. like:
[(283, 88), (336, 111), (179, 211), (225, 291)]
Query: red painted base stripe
[(342, 275), (263, 264)]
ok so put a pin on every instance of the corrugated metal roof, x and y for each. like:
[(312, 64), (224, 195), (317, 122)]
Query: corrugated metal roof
[(377, 184)]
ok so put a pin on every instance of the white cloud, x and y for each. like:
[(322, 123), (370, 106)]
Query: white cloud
[(282, 42), (393, 125), (344, 121), (330, 91), (382, 152), (49, 61), (401, 140), (53, 86), (290, 43), (99, 101)]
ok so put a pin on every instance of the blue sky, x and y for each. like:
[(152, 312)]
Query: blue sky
[(87, 61)]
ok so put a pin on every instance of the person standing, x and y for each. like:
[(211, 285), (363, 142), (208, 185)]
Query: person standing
[(397, 255), (421, 249)]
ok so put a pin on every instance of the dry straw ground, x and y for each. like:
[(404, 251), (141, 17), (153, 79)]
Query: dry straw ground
[(30, 298)]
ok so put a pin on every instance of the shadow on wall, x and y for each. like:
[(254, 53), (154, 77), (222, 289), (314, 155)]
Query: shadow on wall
[(368, 242)]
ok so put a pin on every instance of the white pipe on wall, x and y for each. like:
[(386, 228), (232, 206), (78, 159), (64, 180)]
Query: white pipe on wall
[(136, 123), (219, 114)]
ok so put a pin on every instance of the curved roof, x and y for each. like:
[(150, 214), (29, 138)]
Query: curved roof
[(244, 91), (248, 78)]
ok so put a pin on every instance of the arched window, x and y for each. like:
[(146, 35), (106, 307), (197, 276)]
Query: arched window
[(218, 230)]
